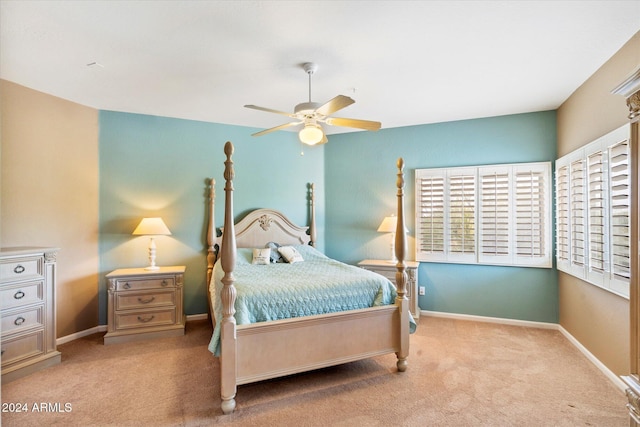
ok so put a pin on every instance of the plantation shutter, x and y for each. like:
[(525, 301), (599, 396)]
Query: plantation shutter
[(592, 212), (495, 238), (577, 213), (496, 214), (461, 222), (532, 215), (620, 214), (596, 209), (562, 215), (430, 215)]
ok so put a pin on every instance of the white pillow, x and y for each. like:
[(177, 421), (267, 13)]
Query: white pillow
[(261, 256), (290, 253)]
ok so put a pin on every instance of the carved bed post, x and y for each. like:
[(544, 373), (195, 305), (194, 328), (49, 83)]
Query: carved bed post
[(211, 236), (228, 295), (312, 226), (401, 275)]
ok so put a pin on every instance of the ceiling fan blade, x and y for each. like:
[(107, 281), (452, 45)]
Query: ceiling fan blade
[(335, 104), (353, 123), (269, 110), (284, 126)]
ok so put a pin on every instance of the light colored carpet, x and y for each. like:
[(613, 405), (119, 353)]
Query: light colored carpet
[(460, 373)]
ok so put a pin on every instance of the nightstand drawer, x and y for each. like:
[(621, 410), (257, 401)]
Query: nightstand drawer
[(138, 284), (389, 274), (126, 301), (18, 296), (18, 320), (23, 347), (23, 269), (145, 319)]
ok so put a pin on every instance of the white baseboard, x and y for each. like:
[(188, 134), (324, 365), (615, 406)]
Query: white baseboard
[(606, 371), (203, 316), (103, 328), (86, 332), (513, 322)]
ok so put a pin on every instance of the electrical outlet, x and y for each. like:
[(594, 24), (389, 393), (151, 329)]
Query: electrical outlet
[(421, 290)]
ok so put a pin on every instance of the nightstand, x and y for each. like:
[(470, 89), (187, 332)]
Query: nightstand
[(144, 304), (28, 310), (388, 270)]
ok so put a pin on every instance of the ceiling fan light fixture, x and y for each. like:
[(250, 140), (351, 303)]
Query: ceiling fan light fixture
[(311, 134)]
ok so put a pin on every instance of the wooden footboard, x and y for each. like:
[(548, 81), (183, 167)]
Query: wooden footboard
[(266, 350)]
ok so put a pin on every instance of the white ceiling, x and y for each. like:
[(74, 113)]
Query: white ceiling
[(404, 62)]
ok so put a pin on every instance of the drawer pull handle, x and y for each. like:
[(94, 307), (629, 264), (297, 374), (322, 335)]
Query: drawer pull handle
[(19, 295), (145, 319), (19, 269), (165, 283), (145, 301), (19, 321), (2, 354), (126, 285)]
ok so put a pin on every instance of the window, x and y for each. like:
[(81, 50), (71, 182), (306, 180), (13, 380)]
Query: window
[(592, 212), (495, 214)]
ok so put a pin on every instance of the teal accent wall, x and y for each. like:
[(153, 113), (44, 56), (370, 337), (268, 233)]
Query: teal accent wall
[(157, 166), (360, 175)]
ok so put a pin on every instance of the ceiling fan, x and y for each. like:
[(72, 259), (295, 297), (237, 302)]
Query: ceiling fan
[(312, 114)]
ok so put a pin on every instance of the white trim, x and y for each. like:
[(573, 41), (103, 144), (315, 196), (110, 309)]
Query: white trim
[(542, 325), (202, 316), (80, 334), (103, 328), (606, 371), (474, 318)]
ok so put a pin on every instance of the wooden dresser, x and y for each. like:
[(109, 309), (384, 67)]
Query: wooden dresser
[(28, 310), (388, 270), (144, 304)]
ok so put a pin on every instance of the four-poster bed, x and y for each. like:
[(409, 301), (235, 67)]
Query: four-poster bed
[(267, 349)]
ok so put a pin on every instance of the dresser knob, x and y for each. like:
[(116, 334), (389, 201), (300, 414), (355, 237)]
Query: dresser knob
[(19, 269), (145, 319), (165, 283), (2, 353), (19, 295), (126, 285), (19, 321), (145, 301)]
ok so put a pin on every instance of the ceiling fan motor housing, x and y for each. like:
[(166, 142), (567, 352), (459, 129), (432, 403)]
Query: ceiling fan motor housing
[(306, 108)]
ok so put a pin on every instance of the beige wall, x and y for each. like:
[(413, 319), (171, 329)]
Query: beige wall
[(595, 317), (49, 193)]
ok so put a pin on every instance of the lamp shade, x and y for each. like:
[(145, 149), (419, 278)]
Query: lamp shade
[(151, 227), (389, 225), (311, 134)]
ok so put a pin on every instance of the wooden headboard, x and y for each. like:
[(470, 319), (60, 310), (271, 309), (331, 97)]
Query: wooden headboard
[(258, 228), (262, 226)]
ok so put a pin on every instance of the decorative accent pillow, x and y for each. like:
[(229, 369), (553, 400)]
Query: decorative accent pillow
[(290, 253), (261, 256), (275, 255)]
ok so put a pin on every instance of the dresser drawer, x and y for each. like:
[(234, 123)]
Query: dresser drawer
[(150, 283), (25, 294), (130, 300), (145, 319), (19, 320), (22, 269), (23, 347)]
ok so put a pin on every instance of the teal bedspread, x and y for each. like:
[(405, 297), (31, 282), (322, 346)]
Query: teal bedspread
[(317, 285)]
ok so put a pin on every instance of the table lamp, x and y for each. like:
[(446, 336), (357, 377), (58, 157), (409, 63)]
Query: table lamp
[(152, 227), (388, 225)]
